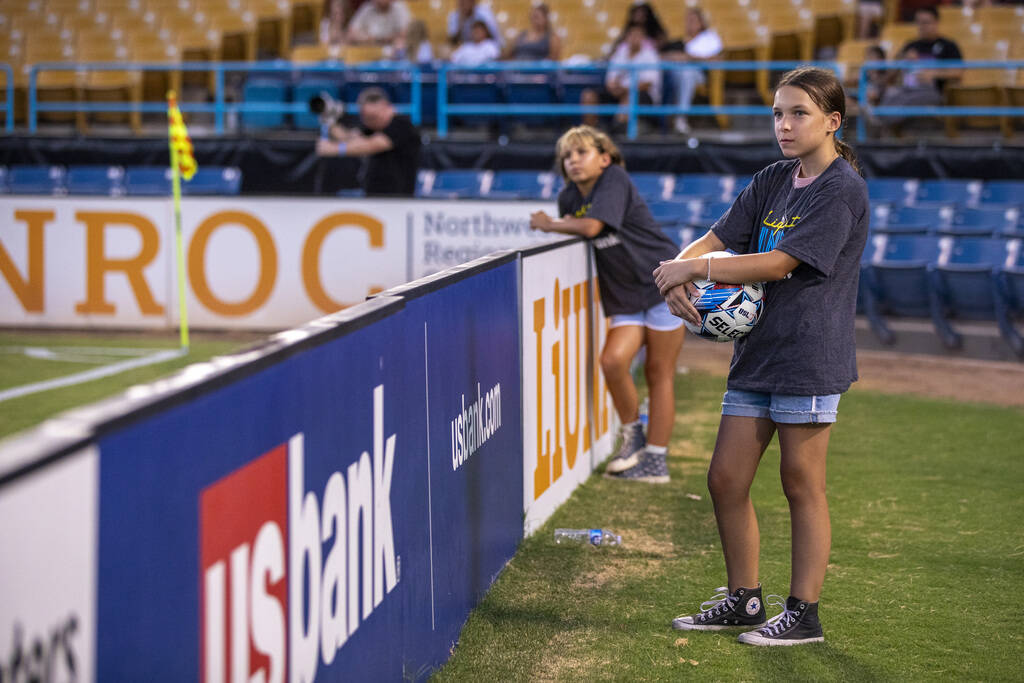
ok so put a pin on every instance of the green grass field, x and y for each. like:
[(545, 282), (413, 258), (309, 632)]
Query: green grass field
[(17, 368), (926, 507)]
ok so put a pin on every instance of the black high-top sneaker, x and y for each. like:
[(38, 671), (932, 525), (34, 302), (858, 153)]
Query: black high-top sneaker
[(632, 446), (798, 624), (741, 609)]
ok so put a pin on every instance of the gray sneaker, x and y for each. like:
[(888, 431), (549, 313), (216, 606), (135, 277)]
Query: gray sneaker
[(742, 609), (628, 455), (650, 468)]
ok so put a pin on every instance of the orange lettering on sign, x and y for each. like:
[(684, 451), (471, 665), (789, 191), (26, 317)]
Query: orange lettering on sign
[(197, 263), (28, 289), (542, 472), (314, 243), (97, 265)]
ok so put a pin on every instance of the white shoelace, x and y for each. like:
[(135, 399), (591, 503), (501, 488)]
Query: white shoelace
[(718, 604), (780, 622)]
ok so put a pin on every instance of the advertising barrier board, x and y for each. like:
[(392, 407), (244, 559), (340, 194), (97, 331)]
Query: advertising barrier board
[(251, 263)]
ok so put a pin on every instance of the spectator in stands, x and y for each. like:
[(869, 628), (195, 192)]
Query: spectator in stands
[(388, 141), (879, 80), (643, 13), (415, 45), (538, 41), (479, 49), (332, 22), (923, 87), (635, 49), (702, 43), (379, 22), (462, 18)]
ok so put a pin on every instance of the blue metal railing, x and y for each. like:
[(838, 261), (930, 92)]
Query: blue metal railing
[(938, 110), (8, 106), (415, 76), (220, 107)]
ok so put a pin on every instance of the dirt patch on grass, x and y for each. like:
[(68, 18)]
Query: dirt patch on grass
[(570, 656), (899, 373)]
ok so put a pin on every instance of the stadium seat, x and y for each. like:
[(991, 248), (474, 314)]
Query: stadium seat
[(571, 84), (1011, 277), (36, 180), (654, 186), (3, 180), (712, 186), (214, 180), (1002, 192), (668, 212), (148, 181), (523, 87), (961, 192), (892, 190), (898, 282), (709, 212), (525, 185), (453, 184), (262, 91), (982, 221), (966, 280), (304, 90), (910, 219), (96, 180), (479, 88)]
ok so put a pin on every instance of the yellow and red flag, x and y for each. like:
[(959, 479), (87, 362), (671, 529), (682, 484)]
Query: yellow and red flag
[(181, 144)]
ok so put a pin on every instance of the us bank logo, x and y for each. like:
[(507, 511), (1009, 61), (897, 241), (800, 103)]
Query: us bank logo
[(287, 575)]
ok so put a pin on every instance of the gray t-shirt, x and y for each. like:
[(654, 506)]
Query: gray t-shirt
[(804, 342), (630, 246)]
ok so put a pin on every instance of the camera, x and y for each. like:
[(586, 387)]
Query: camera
[(327, 109)]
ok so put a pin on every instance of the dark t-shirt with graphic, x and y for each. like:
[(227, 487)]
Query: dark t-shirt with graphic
[(630, 246), (804, 342)]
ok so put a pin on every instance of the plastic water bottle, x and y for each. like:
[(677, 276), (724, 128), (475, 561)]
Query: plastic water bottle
[(644, 407), (591, 536)]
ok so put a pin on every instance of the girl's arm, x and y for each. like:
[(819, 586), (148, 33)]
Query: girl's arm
[(567, 225)]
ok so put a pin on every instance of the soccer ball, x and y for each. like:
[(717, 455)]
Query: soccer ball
[(727, 312)]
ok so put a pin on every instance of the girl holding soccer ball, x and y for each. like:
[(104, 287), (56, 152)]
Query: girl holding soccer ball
[(601, 203), (800, 227)]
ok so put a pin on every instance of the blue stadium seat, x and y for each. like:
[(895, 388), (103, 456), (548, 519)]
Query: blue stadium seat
[(3, 180), (959, 192), (96, 180), (709, 212), (570, 86), (687, 235), (898, 282), (668, 212), (263, 91), (148, 181), (653, 186), (36, 180), (1011, 277), (214, 180), (966, 280), (452, 183), (525, 185), (474, 88), (740, 182), (910, 219), (982, 221), (536, 87), (1003, 192), (711, 186), (304, 90), (892, 190)]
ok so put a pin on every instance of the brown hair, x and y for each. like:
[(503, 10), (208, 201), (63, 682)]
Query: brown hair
[(587, 135), (825, 90)]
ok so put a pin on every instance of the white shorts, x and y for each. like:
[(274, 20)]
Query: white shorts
[(657, 318)]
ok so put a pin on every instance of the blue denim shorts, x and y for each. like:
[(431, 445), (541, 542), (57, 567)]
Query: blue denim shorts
[(657, 318), (781, 408)]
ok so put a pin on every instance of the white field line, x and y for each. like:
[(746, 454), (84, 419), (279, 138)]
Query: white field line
[(89, 375)]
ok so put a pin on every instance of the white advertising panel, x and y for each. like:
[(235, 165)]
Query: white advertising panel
[(568, 418), (48, 530), (250, 263)]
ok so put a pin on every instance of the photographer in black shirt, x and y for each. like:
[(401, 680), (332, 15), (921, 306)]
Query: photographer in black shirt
[(389, 142)]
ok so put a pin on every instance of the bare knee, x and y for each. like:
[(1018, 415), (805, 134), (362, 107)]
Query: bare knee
[(724, 487), (800, 486), (614, 363)]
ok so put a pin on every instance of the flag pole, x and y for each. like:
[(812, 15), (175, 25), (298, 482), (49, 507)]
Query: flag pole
[(179, 247)]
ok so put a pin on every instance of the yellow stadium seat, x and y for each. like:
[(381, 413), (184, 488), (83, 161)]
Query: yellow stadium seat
[(978, 87)]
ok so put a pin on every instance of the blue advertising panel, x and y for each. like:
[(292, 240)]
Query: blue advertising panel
[(333, 513)]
